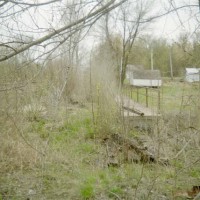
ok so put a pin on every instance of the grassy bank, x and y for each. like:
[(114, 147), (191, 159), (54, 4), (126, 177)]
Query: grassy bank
[(65, 156), (73, 166), (174, 96)]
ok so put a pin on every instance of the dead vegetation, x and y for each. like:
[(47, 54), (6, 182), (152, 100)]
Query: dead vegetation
[(82, 148)]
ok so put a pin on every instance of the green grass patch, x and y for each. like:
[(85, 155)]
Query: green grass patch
[(39, 128), (87, 190), (195, 173), (174, 96), (75, 167), (115, 192), (87, 148)]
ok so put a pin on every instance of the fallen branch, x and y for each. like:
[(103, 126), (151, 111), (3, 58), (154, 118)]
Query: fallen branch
[(145, 155), (134, 111), (176, 156)]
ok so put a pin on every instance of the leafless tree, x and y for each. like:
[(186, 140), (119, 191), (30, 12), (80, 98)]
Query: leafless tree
[(46, 30), (130, 17), (21, 29)]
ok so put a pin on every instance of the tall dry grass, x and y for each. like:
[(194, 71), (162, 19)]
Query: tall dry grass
[(43, 130)]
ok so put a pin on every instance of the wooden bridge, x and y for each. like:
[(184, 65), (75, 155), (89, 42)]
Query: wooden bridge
[(132, 108), (136, 113)]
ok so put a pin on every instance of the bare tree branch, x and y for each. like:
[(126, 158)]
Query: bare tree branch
[(81, 22), (164, 14), (32, 4), (199, 5), (3, 4)]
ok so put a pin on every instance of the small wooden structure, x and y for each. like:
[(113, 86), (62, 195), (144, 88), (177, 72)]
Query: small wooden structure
[(192, 75), (132, 108), (144, 78), (136, 114), (131, 68)]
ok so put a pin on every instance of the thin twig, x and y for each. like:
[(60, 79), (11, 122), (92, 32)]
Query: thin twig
[(138, 183), (22, 136), (176, 156), (114, 194)]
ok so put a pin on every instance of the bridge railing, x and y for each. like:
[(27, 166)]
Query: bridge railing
[(150, 97)]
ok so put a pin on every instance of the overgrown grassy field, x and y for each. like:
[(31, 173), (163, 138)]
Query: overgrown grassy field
[(174, 96), (66, 156)]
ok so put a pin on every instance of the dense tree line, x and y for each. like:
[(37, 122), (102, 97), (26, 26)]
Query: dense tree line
[(184, 53)]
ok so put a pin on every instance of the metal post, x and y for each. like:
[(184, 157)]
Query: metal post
[(152, 63), (131, 92), (170, 62), (158, 99), (199, 80), (147, 103)]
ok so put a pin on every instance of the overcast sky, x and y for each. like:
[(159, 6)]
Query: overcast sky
[(42, 21), (168, 26), (183, 20)]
